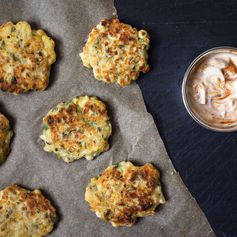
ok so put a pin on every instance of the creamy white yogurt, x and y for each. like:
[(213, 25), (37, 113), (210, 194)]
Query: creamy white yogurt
[(213, 89)]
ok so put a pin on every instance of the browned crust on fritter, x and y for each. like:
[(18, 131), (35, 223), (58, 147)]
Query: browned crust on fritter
[(124, 195), (35, 201), (26, 56), (25, 213), (78, 128), (5, 137), (116, 51)]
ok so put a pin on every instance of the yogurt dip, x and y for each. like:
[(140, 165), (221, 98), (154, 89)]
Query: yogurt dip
[(213, 89)]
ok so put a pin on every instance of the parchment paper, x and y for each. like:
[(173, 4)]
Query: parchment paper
[(135, 136)]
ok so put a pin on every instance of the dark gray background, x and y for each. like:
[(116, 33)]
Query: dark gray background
[(179, 31)]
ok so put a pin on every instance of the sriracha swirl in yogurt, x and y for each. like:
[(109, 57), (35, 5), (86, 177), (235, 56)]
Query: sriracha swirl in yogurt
[(214, 89)]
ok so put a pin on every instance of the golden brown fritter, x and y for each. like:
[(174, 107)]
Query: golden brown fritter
[(25, 213), (124, 192), (76, 129), (5, 137), (26, 56), (117, 52)]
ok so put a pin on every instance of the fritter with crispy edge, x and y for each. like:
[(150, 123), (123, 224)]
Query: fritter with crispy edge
[(79, 128), (117, 52), (26, 56), (5, 137), (124, 192), (25, 213)]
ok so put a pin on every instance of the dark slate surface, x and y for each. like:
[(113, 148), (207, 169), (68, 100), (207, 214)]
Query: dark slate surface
[(179, 31)]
